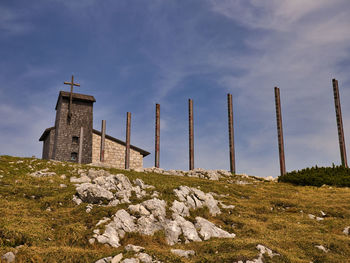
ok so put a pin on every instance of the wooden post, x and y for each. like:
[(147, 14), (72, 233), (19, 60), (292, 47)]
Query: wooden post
[(81, 141), (127, 141), (103, 135), (191, 142), (338, 113), (280, 131), (231, 134), (157, 136)]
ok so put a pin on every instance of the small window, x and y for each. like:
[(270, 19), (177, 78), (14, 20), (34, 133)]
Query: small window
[(74, 156), (75, 139)]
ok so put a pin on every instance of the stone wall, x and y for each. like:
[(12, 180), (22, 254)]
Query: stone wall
[(114, 153), (82, 116), (48, 145)]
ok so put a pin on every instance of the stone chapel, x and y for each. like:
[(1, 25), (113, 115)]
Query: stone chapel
[(74, 112)]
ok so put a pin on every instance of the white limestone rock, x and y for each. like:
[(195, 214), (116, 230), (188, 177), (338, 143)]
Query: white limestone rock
[(117, 258), (346, 230), (322, 248), (104, 260), (195, 198), (134, 248), (80, 180), (208, 230), (138, 209), (42, 173), (145, 258), (188, 229), (92, 193), (157, 207), (8, 257), (172, 232), (76, 200), (183, 253), (148, 225), (122, 223), (263, 250), (131, 260), (179, 208)]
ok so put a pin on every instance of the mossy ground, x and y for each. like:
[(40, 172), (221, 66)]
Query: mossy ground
[(272, 214)]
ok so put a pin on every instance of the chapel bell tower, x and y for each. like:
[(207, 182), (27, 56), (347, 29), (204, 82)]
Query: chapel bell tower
[(73, 126)]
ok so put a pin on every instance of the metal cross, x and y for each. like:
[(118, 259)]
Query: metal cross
[(72, 84)]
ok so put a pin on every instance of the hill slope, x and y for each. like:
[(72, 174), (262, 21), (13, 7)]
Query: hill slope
[(39, 222)]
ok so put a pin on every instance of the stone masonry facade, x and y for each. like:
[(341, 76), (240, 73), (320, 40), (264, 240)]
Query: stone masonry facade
[(65, 147), (61, 142), (114, 153)]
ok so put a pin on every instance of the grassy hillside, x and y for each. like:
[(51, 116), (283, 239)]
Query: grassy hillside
[(39, 216)]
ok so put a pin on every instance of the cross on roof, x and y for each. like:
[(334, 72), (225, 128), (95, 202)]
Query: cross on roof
[(72, 84)]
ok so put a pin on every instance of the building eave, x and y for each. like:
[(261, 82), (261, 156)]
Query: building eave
[(141, 151), (45, 133)]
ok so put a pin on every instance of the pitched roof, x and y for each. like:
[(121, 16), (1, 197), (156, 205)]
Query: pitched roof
[(141, 151), (45, 133), (76, 96)]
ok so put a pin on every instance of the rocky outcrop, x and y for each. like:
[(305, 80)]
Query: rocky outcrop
[(208, 230), (183, 253), (195, 198), (263, 250), (198, 173), (101, 188)]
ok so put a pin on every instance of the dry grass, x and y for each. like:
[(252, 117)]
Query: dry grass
[(272, 214)]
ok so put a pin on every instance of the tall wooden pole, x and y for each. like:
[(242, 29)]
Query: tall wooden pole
[(344, 160), (191, 142), (103, 135), (280, 131), (81, 141), (231, 134), (127, 145), (157, 136)]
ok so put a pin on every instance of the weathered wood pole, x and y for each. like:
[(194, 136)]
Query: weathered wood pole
[(81, 141), (157, 136), (231, 134), (191, 141), (344, 160), (280, 131), (103, 136), (127, 141)]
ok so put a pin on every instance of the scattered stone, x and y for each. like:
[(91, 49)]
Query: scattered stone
[(133, 248), (103, 220), (117, 258), (208, 230), (346, 230), (183, 253), (89, 208), (104, 260), (92, 241), (63, 185), (145, 258), (263, 250), (83, 179), (42, 173), (76, 200), (320, 247), (226, 206), (315, 217), (9, 257), (63, 176), (131, 260), (92, 193)]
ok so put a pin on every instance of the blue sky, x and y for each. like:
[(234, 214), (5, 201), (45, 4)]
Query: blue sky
[(131, 54)]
